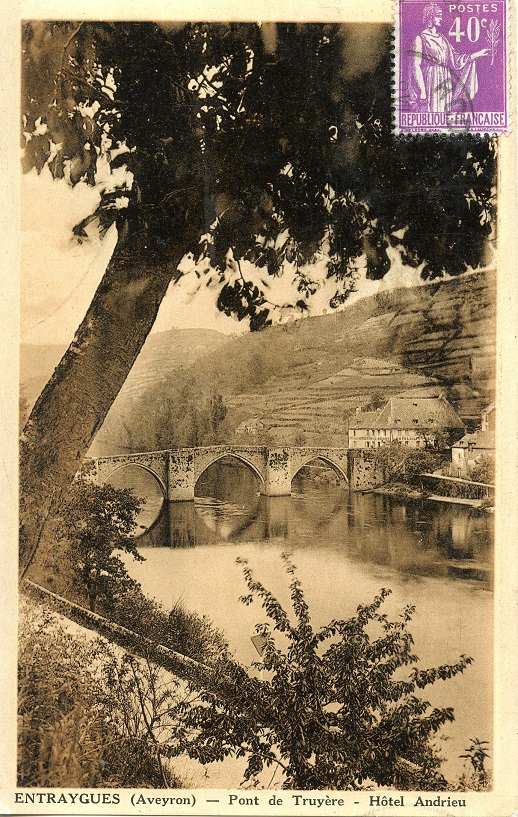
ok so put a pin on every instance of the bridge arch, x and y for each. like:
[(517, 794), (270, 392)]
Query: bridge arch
[(203, 466), (143, 467), (323, 458)]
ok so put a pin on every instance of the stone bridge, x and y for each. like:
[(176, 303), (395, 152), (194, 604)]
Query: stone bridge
[(178, 470)]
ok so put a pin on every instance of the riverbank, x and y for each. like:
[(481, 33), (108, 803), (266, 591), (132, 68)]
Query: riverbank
[(77, 654), (401, 491)]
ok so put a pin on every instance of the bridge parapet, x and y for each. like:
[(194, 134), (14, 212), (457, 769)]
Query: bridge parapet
[(153, 461)]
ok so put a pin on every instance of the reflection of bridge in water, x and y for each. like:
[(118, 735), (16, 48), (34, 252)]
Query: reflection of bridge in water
[(178, 470), (184, 525)]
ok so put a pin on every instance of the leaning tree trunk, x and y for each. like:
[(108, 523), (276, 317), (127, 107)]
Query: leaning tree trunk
[(75, 401)]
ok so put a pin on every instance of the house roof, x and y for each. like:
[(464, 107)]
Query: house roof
[(253, 422), (478, 439), (410, 412), (365, 419)]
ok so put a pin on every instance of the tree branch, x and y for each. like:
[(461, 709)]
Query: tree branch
[(72, 36)]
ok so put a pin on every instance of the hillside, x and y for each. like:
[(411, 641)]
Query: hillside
[(301, 380), (161, 354), (164, 352)]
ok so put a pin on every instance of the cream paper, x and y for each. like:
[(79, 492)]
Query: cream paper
[(503, 799)]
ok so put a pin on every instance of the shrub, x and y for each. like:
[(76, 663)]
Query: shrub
[(475, 775), (404, 464), (181, 630), (483, 471), (85, 713), (97, 521), (336, 711)]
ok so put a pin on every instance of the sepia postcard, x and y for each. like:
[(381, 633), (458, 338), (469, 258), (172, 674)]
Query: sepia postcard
[(259, 409)]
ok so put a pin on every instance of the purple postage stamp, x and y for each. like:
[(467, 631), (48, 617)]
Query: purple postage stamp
[(451, 67)]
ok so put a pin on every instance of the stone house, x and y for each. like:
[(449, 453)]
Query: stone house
[(417, 422), (472, 450), (250, 427)]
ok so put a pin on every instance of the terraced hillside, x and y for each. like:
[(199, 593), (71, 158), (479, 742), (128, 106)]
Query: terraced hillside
[(302, 380), (162, 354), (320, 411)]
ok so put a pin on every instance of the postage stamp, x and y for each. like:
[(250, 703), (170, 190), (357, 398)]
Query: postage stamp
[(451, 67)]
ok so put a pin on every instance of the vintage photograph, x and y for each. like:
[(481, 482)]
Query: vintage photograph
[(257, 410)]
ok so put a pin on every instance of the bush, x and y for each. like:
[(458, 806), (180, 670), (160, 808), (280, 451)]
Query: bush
[(484, 471), (96, 521), (403, 464), (85, 713), (336, 711), (181, 630), (475, 776)]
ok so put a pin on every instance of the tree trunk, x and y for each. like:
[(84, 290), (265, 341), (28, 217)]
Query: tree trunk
[(75, 401)]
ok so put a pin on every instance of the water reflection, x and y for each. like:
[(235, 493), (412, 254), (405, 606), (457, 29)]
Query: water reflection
[(423, 538), (144, 485)]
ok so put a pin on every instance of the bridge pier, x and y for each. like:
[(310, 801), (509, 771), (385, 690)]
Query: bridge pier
[(277, 478), (181, 478)]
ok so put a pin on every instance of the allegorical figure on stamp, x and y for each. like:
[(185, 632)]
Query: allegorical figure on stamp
[(441, 79)]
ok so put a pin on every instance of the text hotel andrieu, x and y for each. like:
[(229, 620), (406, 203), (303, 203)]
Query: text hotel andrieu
[(169, 804)]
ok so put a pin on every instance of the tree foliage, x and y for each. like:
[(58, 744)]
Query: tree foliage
[(97, 521), (251, 148), (399, 462), (475, 775), (336, 710), (179, 416), (483, 470), (377, 401)]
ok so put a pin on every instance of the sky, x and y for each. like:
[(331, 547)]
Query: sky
[(59, 276)]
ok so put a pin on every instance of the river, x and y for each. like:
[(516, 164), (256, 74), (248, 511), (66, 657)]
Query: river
[(346, 546)]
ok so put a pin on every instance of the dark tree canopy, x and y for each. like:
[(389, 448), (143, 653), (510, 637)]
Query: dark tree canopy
[(98, 523), (270, 144)]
